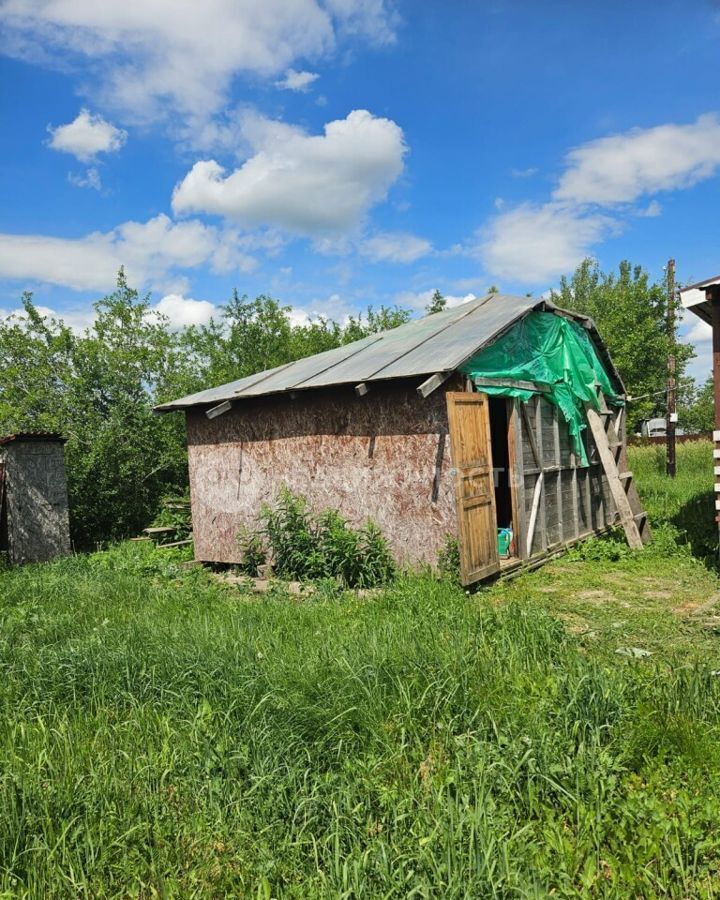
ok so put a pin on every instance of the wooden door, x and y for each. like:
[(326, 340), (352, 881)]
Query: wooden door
[(469, 424)]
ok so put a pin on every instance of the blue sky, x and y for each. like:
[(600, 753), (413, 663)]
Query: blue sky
[(336, 153)]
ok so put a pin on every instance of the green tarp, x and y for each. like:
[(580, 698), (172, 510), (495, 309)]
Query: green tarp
[(556, 353)]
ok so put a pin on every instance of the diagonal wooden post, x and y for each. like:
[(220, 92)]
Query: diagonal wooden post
[(615, 482)]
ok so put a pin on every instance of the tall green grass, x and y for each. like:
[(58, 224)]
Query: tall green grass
[(687, 501), (165, 736)]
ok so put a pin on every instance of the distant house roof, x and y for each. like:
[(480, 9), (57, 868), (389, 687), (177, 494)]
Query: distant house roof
[(693, 298), (29, 436), (436, 343)]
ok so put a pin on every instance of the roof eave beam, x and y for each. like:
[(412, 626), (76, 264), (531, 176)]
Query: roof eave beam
[(432, 383), (218, 410)]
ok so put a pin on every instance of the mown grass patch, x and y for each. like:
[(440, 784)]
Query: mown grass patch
[(162, 738)]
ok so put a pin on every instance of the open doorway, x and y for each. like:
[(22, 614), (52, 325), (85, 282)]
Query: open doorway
[(499, 420)]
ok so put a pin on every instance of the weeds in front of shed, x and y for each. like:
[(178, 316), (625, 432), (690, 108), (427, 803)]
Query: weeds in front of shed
[(449, 560), (252, 551), (309, 546)]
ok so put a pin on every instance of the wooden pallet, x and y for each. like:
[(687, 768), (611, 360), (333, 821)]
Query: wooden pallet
[(605, 426)]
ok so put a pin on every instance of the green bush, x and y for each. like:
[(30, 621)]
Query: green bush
[(449, 560), (610, 547), (306, 546), (175, 513), (252, 550)]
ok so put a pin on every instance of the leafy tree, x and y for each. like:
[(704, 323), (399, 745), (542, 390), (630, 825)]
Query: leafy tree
[(384, 319), (437, 303), (36, 364), (696, 407), (631, 315), (248, 336), (122, 458), (98, 389)]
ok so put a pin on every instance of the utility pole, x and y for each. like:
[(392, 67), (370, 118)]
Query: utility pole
[(671, 385)]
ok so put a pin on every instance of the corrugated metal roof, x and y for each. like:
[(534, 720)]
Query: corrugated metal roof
[(437, 343)]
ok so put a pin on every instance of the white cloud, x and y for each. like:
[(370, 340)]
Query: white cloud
[(370, 19), (297, 81), (395, 247), (332, 307), (534, 243), (306, 184), (144, 56), (149, 251), (183, 311), (623, 167), (88, 179), (77, 319), (86, 136), (524, 173), (651, 211), (699, 332), (180, 312)]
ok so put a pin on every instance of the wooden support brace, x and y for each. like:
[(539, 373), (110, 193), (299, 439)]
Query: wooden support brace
[(362, 388), (432, 383), (617, 488), (533, 386), (534, 512), (218, 410), (537, 493)]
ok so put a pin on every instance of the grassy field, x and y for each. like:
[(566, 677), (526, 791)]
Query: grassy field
[(559, 734)]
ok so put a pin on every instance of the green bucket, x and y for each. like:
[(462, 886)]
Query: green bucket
[(504, 538)]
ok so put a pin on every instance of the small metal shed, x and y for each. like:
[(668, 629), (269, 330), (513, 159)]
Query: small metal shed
[(392, 428), (34, 521)]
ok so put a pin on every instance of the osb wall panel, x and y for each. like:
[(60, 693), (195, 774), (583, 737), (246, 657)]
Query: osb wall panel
[(37, 504), (384, 456)]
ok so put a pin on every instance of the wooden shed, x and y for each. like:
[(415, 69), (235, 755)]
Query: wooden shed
[(502, 413), (34, 523)]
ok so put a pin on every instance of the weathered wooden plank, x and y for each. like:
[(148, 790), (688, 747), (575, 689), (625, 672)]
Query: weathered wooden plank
[(510, 383), (432, 383), (469, 427), (529, 434), (541, 453), (617, 488), (517, 478), (558, 462), (532, 524), (218, 410)]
